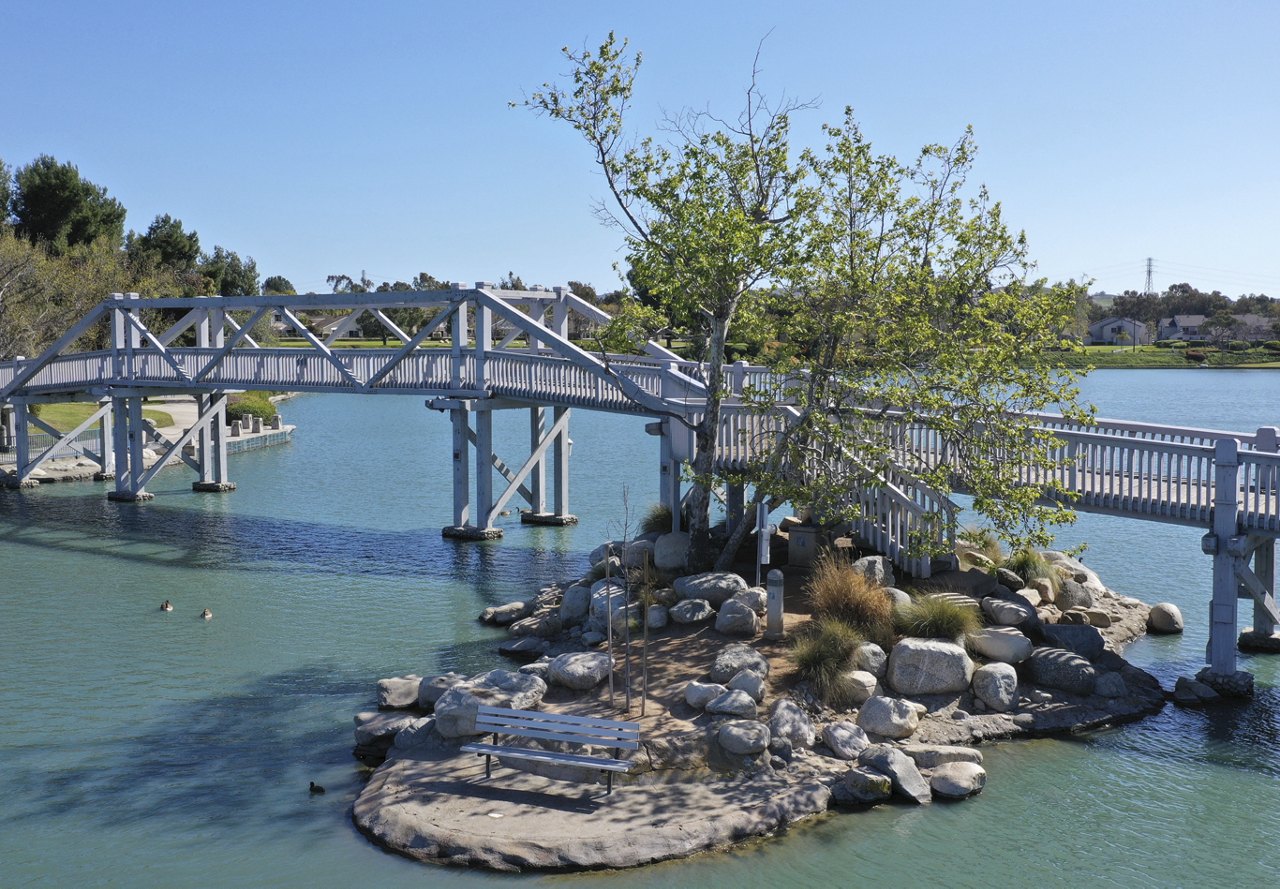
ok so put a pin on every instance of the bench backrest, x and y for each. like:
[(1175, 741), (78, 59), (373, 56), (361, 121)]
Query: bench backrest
[(558, 727)]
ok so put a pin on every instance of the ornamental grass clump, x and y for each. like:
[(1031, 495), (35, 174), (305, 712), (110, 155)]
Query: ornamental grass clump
[(823, 653), (656, 519), (936, 617), (1031, 565), (836, 590), (984, 541)]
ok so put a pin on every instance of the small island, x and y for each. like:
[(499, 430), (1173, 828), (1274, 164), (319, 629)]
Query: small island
[(875, 694)]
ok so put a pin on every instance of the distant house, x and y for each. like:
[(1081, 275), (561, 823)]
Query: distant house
[(336, 326), (1255, 327), (1115, 331), (1181, 327)]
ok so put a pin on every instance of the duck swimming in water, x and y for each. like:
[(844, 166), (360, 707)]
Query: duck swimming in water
[(166, 605), (207, 614), (316, 788)]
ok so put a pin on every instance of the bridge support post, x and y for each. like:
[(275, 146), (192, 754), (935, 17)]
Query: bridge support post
[(106, 445), (211, 446), (7, 429), (537, 475), (1221, 653), (129, 434), (669, 475), (560, 446), (22, 448)]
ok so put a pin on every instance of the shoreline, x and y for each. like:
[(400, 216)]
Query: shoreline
[(431, 802)]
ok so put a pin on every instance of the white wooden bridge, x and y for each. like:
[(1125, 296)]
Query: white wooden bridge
[(511, 350)]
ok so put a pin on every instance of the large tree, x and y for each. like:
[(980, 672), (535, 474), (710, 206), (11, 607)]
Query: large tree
[(54, 205), (226, 274), (708, 214), (278, 284), (165, 244)]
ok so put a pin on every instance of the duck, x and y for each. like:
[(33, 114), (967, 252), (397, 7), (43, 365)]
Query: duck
[(207, 614), (166, 605), (316, 788)]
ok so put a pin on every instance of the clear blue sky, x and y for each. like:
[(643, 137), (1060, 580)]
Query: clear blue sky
[(323, 137)]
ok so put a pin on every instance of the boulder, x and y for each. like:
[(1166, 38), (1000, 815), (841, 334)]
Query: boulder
[(901, 771), (1098, 618), (749, 681), (606, 595), (715, 586), (575, 604), (398, 692), (1065, 670), (845, 739), (656, 617), (862, 685), (592, 637), (580, 670), (1164, 618), (871, 658), (930, 756), (1072, 594), (957, 780), (505, 615), (699, 694), (374, 729), (1193, 693), (671, 551), (1003, 644), (418, 735), (737, 619), (756, 598), (789, 722), (1043, 587), (523, 648), (544, 626), (888, 717), (996, 685), (928, 667), (732, 703), (537, 668), (899, 598), (1083, 639), (734, 658), (1010, 579), (866, 786), (637, 553), (691, 611), (1005, 613), (431, 688), (456, 708), (743, 737), (604, 550), (1111, 685), (878, 569)]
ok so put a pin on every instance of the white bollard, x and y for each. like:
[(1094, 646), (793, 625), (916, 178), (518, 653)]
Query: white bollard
[(773, 606)]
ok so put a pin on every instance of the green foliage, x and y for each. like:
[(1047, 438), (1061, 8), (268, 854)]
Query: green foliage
[(53, 205), (511, 281), (1238, 346), (1272, 345), (1031, 565), (1167, 344), (278, 284), (165, 245), (226, 274), (823, 653), (983, 540), (934, 617), (253, 404), (657, 518)]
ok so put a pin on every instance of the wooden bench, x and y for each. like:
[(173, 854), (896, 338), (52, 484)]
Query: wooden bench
[(542, 726)]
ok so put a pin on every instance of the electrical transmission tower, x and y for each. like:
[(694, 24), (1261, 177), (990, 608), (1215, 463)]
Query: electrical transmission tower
[(1150, 288)]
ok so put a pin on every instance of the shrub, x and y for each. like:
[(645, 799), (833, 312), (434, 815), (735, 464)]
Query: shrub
[(983, 540), (1272, 345), (935, 617), (1238, 346), (824, 656), (254, 405), (1180, 344), (1030, 565), (1195, 355), (1167, 344), (837, 591), (656, 518)]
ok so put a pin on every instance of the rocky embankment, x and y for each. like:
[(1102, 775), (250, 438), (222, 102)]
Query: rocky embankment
[(727, 715)]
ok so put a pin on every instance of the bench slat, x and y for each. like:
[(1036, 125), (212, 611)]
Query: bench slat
[(549, 756), (595, 740), (546, 716)]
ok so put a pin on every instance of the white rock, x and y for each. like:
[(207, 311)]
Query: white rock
[(691, 611), (1003, 644), (928, 667), (734, 657), (737, 619), (789, 721), (714, 586), (888, 717), (871, 658), (928, 756), (656, 617), (671, 551), (1164, 618), (876, 568), (637, 553), (957, 780), (580, 669), (732, 703), (1008, 614), (845, 739), (397, 692), (574, 604), (862, 685), (756, 598), (456, 708), (431, 688), (749, 681), (996, 685), (743, 737), (699, 694)]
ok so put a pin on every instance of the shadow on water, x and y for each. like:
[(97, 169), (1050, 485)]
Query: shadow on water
[(156, 534), (243, 757)]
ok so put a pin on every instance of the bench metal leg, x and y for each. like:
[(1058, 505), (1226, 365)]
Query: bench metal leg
[(487, 761), (608, 783)]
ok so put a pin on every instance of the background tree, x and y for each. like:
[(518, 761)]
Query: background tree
[(707, 215), (1221, 327), (165, 244), (278, 284), (511, 282), (226, 274), (585, 291), (6, 192), (53, 204)]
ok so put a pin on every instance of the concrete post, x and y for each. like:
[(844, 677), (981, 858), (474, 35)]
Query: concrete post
[(6, 427), (484, 468), (773, 606), (461, 463), (1264, 566), (1221, 653), (560, 455), (668, 476), (538, 475), (106, 446), (120, 447), (458, 327), (22, 438)]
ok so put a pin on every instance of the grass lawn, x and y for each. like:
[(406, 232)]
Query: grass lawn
[(68, 416)]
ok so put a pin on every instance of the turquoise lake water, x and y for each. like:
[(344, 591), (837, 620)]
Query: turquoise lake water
[(150, 749)]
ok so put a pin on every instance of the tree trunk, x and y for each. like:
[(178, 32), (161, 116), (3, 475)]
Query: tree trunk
[(705, 438)]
